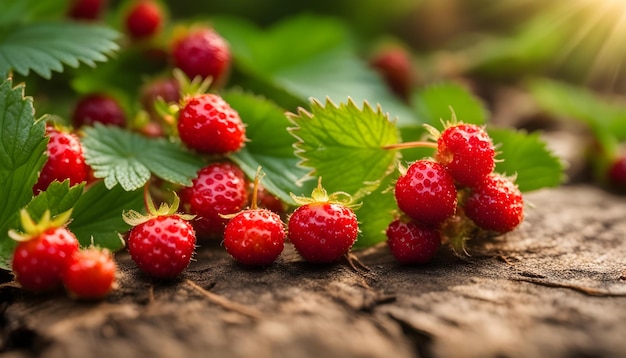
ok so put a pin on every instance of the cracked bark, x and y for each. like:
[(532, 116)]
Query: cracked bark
[(554, 287)]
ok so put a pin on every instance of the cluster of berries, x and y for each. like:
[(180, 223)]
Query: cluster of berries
[(452, 195), (48, 257), (200, 52), (162, 243), (322, 229)]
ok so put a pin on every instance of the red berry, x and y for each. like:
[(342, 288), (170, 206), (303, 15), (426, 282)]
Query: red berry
[(411, 242), (323, 228), (167, 89), (90, 274), (219, 188), (42, 256), (495, 204), (269, 201), (322, 232), (98, 108), (617, 173), (86, 9), (394, 64), (426, 193), (65, 160), (467, 152), (255, 237), (209, 125), (144, 19), (203, 52), (162, 246)]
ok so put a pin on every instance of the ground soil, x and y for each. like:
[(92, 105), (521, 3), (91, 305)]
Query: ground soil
[(555, 287)]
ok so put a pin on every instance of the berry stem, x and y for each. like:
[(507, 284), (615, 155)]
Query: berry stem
[(255, 188), (407, 145)]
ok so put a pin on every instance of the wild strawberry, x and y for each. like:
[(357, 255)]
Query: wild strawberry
[(322, 229), (467, 152), (209, 125), (394, 65), (496, 204), (161, 243), (99, 108), (617, 173), (90, 274), (255, 236), (270, 202), (411, 242), (144, 19), (203, 52), (167, 89), (86, 9), (44, 251), (426, 192), (66, 160), (218, 189)]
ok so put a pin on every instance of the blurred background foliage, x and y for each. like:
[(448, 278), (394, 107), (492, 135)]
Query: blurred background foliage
[(577, 41), (580, 41)]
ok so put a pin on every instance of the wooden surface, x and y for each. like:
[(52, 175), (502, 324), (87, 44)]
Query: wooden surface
[(556, 287)]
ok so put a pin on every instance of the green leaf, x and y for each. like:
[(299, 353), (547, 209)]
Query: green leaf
[(438, 102), (22, 155), (57, 198), (98, 215), (309, 57), (537, 44), (605, 119), (270, 146), (47, 47), (378, 210), (526, 156), (344, 145), (23, 11), (129, 159)]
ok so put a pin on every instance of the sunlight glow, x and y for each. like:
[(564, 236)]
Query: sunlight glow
[(597, 40)]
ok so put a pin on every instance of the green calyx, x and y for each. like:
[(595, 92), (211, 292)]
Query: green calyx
[(457, 230), (168, 112), (320, 195), (191, 87), (134, 218), (34, 229)]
